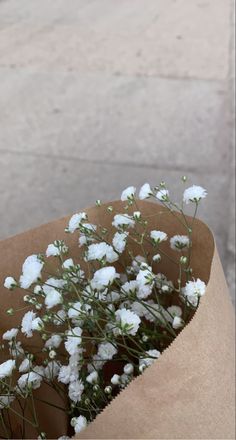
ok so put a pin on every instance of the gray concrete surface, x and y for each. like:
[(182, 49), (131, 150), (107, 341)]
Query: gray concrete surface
[(97, 95)]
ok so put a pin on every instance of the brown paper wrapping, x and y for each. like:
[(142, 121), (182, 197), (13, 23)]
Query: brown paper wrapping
[(189, 392)]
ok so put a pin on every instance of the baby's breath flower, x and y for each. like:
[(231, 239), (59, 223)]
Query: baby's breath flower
[(107, 351), (32, 379), (177, 323), (158, 236), (31, 271), (162, 195), (29, 323), (103, 277), (194, 194), (76, 389), (98, 251), (130, 287), (51, 289), (174, 311), (123, 220), (92, 378), (136, 215), (6, 368), (128, 193), (6, 400), (75, 221), (79, 424), (145, 282), (127, 322), (115, 380), (56, 248), (10, 283), (128, 369), (152, 355), (193, 291), (24, 366), (156, 258), (119, 241), (145, 191), (10, 334), (53, 342), (73, 340), (68, 264), (179, 242)]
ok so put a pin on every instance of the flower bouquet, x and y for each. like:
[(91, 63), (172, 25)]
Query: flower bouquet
[(120, 326)]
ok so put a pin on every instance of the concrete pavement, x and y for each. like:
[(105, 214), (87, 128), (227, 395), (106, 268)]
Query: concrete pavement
[(98, 95)]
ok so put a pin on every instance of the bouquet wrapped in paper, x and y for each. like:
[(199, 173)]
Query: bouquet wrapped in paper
[(127, 333)]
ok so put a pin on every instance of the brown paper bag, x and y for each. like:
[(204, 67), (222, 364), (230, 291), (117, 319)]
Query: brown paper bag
[(189, 392)]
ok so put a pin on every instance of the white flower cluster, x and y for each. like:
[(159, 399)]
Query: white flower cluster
[(95, 318)]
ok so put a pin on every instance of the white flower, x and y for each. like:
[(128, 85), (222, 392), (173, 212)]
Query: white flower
[(92, 378), (128, 369), (33, 379), (196, 287), (179, 242), (147, 361), (37, 324), (162, 195), (103, 277), (123, 220), (137, 215), (53, 342), (52, 369), (24, 366), (174, 311), (119, 241), (79, 423), (60, 317), (65, 374), (158, 236), (73, 340), (75, 221), (106, 351), (10, 334), (194, 194), (16, 350), (98, 251), (193, 290), (6, 400), (76, 389), (68, 264), (70, 373), (145, 281), (156, 258), (10, 283), (177, 322), (56, 248), (128, 193), (128, 322), (75, 310), (31, 271), (7, 368), (130, 287), (145, 191), (83, 240), (53, 296), (29, 323), (88, 227), (115, 380)]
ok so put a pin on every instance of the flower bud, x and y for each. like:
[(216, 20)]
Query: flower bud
[(108, 390), (183, 260)]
